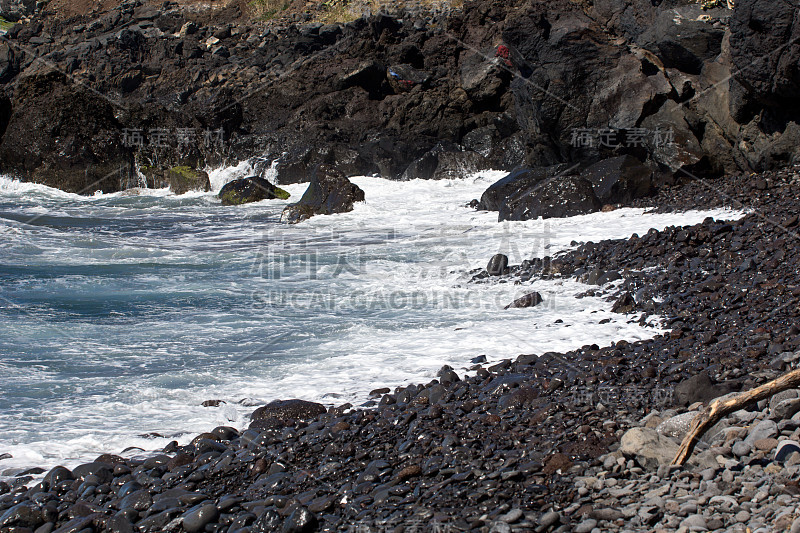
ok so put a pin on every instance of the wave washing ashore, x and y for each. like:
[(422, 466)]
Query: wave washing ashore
[(122, 314)]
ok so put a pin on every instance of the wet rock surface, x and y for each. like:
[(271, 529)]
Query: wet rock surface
[(252, 189), (329, 192)]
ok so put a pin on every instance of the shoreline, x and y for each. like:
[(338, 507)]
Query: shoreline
[(503, 447), (481, 243)]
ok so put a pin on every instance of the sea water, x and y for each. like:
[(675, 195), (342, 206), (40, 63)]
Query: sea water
[(120, 314)]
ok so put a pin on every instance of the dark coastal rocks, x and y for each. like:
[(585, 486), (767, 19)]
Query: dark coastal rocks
[(682, 39), (398, 90), (328, 193), (196, 521), (286, 411), (301, 520), (62, 134), (618, 180), (57, 475), (443, 163), (14, 10), (514, 183), (624, 304), (529, 300), (758, 28), (252, 189)]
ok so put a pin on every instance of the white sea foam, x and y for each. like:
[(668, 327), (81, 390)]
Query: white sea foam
[(122, 314)]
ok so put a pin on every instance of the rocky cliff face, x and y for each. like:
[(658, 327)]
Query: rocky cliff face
[(405, 94)]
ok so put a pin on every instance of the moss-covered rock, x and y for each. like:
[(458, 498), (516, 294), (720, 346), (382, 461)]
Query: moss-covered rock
[(180, 179), (183, 179), (252, 189)]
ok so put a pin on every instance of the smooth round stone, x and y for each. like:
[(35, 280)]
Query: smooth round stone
[(742, 517), (741, 448), (196, 521), (766, 445), (512, 516), (548, 519), (586, 526)]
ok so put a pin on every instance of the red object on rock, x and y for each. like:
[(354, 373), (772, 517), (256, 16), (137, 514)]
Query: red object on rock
[(504, 53)]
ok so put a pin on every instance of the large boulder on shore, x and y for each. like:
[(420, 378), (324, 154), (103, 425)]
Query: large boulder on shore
[(557, 197), (283, 412), (561, 191), (540, 192), (63, 135), (514, 183), (328, 192), (649, 448), (252, 189)]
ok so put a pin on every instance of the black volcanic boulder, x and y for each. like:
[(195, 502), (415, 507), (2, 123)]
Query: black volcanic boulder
[(328, 192), (497, 265), (252, 189), (545, 192), (63, 135), (619, 179), (284, 412), (519, 180), (557, 197)]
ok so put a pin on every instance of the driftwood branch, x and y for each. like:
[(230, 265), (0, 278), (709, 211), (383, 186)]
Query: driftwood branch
[(720, 408)]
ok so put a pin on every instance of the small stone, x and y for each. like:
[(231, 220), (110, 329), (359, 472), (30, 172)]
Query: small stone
[(512, 516), (409, 472), (741, 448), (549, 519), (765, 445), (586, 526), (742, 517)]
